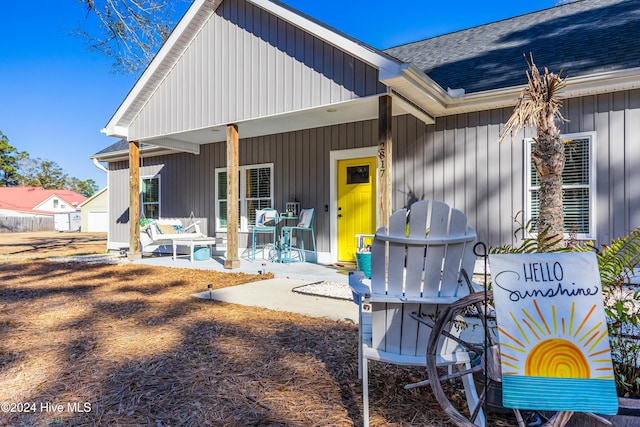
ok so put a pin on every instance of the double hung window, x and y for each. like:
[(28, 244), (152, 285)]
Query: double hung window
[(256, 192), (578, 185), (150, 195)]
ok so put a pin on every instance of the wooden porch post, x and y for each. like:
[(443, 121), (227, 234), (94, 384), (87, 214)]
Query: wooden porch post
[(134, 200), (384, 164), (233, 191)]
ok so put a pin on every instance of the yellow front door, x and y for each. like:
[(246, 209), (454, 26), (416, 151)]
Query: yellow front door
[(356, 203)]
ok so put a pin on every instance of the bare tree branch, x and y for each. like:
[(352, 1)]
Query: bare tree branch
[(130, 31)]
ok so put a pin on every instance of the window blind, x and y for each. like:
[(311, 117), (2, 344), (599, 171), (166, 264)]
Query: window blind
[(576, 186)]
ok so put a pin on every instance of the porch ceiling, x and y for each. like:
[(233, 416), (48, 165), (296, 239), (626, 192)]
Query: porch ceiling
[(328, 115)]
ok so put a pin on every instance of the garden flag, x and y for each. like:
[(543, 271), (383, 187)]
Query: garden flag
[(554, 344)]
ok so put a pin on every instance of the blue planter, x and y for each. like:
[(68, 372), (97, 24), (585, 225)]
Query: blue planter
[(363, 261)]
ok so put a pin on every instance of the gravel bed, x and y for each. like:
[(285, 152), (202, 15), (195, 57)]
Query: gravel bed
[(92, 259), (326, 289)]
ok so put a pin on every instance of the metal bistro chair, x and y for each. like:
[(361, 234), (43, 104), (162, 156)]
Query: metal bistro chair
[(266, 222), (305, 224)]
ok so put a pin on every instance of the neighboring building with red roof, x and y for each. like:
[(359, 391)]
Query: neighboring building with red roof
[(29, 201)]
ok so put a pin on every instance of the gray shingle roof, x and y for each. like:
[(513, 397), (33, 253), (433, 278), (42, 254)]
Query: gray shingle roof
[(583, 37), (121, 145)]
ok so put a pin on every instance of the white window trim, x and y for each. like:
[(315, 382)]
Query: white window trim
[(244, 219), (142, 178), (592, 181)]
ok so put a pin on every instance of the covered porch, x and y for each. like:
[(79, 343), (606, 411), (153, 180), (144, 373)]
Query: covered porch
[(289, 89)]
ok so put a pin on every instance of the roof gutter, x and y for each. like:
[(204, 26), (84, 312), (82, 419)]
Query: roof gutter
[(609, 81), (145, 151), (438, 102)]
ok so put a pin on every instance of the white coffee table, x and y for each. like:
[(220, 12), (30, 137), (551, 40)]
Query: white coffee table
[(192, 244)]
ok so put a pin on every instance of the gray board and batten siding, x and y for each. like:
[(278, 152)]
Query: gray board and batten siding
[(247, 63), (457, 160)]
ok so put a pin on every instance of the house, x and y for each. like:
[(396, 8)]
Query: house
[(298, 111), (95, 212), (34, 208), (30, 201)]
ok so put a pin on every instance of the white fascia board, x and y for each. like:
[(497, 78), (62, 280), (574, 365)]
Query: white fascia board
[(114, 127), (417, 87), (412, 109), (146, 151), (444, 104), (420, 80), (117, 132), (610, 81), (486, 100), (387, 66)]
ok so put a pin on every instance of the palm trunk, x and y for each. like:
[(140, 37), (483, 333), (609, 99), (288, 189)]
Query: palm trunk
[(548, 158), (539, 107)]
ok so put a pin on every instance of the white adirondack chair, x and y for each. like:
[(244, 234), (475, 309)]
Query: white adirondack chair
[(428, 247)]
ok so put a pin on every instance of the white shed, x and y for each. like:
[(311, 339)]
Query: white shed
[(95, 212)]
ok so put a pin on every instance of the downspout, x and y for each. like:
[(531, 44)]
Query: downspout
[(97, 164)]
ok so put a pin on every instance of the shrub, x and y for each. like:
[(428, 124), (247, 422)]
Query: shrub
[(622, 307)]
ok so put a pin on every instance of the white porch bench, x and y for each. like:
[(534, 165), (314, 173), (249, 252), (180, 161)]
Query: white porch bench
[(164, 231)]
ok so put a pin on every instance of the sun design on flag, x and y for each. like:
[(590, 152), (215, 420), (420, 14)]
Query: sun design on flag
[(547, 345)]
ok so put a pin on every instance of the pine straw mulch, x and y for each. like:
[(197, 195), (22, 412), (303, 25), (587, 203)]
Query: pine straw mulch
[(130, 346)]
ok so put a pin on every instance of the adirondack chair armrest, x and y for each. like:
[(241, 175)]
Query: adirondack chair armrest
[(419, 241), (399, 299), (359, 289)]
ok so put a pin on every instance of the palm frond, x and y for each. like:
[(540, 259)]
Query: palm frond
[(532, 243), (538, 104), (617, 260)]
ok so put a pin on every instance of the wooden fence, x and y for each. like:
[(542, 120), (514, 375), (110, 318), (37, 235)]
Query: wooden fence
[(15, 224)]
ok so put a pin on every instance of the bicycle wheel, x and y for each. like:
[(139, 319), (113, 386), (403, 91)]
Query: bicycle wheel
[(480, 343)]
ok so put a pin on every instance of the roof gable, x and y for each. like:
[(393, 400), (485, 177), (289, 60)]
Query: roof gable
[(271, 69), (584, 38), (235, 60), (98, 194)]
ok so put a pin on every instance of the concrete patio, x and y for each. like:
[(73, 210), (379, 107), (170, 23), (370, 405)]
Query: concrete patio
[(296, 270)]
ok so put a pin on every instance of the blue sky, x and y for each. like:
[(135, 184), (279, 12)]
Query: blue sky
[(56, 95)]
